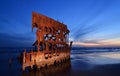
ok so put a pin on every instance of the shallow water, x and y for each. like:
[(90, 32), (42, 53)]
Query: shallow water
[(83, 63)]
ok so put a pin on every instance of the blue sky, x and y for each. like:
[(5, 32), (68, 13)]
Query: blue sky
[(91, 22)]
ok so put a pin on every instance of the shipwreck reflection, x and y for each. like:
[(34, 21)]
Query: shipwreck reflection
[(58, 70)]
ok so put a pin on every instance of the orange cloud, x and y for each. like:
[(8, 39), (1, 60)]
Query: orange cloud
[(105, 43), (85, 44)]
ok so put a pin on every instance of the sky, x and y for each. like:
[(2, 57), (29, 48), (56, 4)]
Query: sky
[(92, 23)]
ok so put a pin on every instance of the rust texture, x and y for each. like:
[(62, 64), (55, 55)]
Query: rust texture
[(51, 35), (52, 42)]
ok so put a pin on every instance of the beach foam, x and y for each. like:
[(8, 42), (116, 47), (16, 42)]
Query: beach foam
[(99, 58), (114, 55)]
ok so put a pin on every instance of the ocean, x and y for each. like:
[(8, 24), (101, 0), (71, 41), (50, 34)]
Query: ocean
[(83, 62)]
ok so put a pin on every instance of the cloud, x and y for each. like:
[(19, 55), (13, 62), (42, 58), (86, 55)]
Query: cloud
[(7, 40), (81, 33), (92, 25)]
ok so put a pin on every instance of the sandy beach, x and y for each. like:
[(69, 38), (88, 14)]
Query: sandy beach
[(87, 64)]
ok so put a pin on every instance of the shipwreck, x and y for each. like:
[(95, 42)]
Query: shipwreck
[(52, 45)]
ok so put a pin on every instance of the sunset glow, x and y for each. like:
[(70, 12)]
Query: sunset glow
[(91, 22), (110, 43)]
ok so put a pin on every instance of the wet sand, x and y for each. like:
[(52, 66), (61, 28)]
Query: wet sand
[(99, 70), (80, 65)]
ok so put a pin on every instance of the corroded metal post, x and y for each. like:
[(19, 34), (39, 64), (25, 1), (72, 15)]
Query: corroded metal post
[(24, 61)]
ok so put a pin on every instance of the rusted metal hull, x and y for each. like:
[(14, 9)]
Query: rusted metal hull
[(52, 42), (39, 59)]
